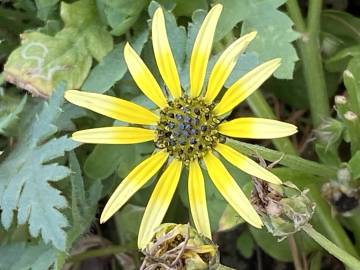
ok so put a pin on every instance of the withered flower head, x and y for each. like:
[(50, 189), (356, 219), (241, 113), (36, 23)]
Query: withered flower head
[(283, 209), (180, 247)]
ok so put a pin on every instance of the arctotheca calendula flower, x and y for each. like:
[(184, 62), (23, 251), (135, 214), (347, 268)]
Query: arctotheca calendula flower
[(188, 129)]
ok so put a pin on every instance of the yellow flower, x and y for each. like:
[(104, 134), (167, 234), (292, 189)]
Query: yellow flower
[(188, 129)]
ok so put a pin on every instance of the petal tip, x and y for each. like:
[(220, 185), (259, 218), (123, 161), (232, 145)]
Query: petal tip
[(292, 129), (127, 47), (217, 7), (277, 61), (158, 12), (103, 218), (251, 35)]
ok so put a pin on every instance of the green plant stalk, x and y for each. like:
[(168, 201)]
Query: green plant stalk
[(311, 57), (261, 108), (353, 126), (353, 91), (290, 161), (100, 252), (353, 224), (295, 253), (329, 225), (315, 261), (342, 255)]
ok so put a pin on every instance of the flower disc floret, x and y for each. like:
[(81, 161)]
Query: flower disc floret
[(188, 129)]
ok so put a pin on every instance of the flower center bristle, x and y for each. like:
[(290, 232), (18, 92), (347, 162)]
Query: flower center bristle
[(187, 129)]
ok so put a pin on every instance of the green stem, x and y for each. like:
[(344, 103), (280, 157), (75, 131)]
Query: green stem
[(98, 253), (295, 253), (261, 108), (334, 250), (311, 57), (291, 161), (353, 223), (324, 219), (315, 261)]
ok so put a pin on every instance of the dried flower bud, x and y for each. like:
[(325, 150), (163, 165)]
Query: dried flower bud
[(342, 197), (284, 210), (179, 246)]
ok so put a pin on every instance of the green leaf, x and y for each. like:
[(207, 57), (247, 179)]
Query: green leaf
[(292, 91), (229, 219), (128, 221), (10, 108), (121, 14), (274, 29), (46, 8), (278, 250), (83, 206), (339, 61), (185, 8), (112, 67), (26, 173), (245, 244), (104, 160), (42, 61), (342, 25), (354, 165), (352, 84), (21, 256)]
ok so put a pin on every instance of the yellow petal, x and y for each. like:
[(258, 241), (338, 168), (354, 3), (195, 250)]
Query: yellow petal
[(256, 128), (159, 202), (114, 135), (232, 193), (163, 55), (202, 49), (115, 108), (246, 164), (225, 65), (197, 198), (143, 77), (132, 183), (245, 86)]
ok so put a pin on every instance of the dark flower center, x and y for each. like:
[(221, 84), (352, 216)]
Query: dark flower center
[(188, 129)]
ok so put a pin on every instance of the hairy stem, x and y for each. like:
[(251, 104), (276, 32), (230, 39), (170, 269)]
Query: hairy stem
[(290, 161), (334, 250), (100, 252), (309, 49)]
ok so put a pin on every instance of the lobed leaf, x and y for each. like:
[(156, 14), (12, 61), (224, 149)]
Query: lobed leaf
[(25, 190), (275, 33), (22, 256)]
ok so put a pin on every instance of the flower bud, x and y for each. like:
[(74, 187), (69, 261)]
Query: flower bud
[(330, 131)]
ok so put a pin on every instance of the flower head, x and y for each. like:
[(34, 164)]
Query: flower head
[(188, 129), (179, 246)]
